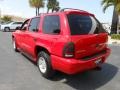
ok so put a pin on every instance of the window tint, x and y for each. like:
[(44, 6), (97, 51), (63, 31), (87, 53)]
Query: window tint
[(18, 23), (83, 24), (14, 23), (34, 24), (51, 24)]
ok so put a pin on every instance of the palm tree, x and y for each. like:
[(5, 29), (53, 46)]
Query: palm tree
[(36, 4), (116, 12), (53, 5), (56, 7)]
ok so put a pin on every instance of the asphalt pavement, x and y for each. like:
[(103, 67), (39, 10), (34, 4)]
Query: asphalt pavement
[(18, 73)]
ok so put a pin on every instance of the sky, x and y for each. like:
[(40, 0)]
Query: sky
[(21, 8)]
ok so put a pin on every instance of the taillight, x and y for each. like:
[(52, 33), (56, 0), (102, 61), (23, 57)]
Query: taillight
[(68, 51)]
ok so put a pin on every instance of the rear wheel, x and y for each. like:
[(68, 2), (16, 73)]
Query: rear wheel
[(14, 45), (44, 65), (6, 29)]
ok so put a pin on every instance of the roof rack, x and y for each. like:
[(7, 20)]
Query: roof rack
[(62, 10)]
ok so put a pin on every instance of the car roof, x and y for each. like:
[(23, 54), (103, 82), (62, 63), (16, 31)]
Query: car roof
[(69, 11)]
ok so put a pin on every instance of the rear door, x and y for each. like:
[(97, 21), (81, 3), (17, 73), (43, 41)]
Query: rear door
[(14, 25), (87, 34), (51, 32)]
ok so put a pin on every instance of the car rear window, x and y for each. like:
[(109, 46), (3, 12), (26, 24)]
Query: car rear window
[(83, 24)]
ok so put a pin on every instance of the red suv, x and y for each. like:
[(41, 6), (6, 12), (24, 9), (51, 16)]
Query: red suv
[(69, 41)]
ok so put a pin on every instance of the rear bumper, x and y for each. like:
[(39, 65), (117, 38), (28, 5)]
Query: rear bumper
[(72, 66)]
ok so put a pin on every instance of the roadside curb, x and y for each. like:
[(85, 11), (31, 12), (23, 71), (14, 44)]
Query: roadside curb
[(113, 41)]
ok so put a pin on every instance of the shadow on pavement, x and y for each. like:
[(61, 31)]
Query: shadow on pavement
[(90, 80)]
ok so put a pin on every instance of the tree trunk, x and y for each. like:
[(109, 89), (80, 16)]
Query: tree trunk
[(53, 9), (36, 12), (114, 22), (48, 10)]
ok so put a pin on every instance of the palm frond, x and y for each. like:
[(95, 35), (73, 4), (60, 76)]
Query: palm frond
[(118, 8), (103, 2), (106, 6), (107, 3)]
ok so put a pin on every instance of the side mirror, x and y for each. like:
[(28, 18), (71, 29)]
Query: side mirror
[(35, 30), (56, 31), (18, 28)]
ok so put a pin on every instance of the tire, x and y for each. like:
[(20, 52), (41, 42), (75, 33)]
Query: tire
[(44, 65), (14, 45), (6, 29)]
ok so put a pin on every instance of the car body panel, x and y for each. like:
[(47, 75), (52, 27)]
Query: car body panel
[(73, 66), (85, 45)]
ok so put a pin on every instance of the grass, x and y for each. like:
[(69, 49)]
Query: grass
[(115, 36)]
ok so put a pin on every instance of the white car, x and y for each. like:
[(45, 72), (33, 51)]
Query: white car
[(10, 26), (107, 27)]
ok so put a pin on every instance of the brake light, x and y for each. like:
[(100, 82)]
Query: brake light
[(68, 51)]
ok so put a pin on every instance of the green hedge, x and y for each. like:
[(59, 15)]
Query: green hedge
[(115, 36)]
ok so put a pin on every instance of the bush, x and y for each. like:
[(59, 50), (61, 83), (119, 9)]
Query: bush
[(6, 18), (115, 36)]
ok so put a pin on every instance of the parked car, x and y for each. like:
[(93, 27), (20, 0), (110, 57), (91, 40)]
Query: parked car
[(10, 26), (107, 27), (70, 41), (0, 26)]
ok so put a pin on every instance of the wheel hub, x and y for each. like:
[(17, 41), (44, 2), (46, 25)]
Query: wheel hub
[(14, 46), (42, 65)]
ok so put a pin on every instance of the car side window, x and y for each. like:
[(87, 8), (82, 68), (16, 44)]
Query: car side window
[(17, 23), (34, 24), (51, 24), (14, 23)]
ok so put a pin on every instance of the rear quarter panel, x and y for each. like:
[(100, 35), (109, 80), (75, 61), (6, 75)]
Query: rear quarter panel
[(54, 43)]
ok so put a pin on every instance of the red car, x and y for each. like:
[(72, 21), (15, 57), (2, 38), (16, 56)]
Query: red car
[(69, 41)]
